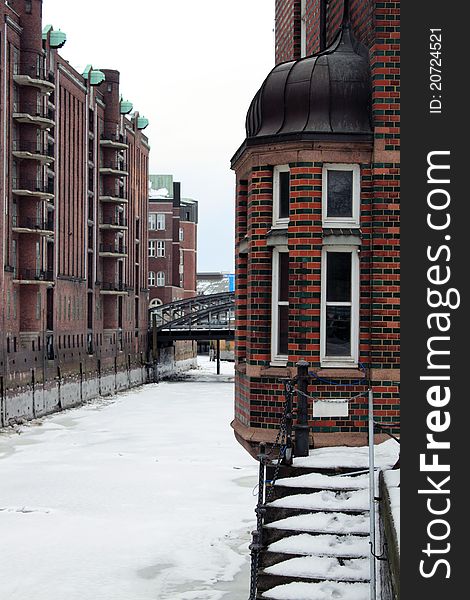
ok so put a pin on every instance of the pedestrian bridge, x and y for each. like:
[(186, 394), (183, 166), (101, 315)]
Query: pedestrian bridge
[(207, 317)]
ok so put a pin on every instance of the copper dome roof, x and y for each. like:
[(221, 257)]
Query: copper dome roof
[(327, 95)]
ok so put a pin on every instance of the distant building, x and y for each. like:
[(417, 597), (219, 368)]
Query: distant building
[(215, 283), (172, 242)]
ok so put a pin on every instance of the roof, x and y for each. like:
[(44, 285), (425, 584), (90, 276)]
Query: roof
[(326, 95)]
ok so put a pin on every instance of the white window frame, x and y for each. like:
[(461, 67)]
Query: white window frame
[(354, 220), (181, 234), (279, 222), (277, 360), (152, 221), (152, 248), (161, 279), (160, 249), (151, 279), (303, 28), (353, 359), (160, 221)]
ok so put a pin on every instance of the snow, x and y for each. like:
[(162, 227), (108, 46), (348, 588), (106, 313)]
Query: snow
[(321, 567), (385, 456), (324, 523), (326, 500), (326, 545), (327, 590), (325, 482), (392, 481), (144, 495)]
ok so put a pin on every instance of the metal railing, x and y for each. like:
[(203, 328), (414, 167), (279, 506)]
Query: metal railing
[(113, 287), (32, 147), (32, 223), (33, 109), (32, 185), (112, 248), (117, 165), (34, 71), (34, 275), (117, 222), (113, 137)]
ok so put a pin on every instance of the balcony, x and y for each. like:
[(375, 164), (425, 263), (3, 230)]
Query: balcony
[(113, 251), (30, 113), (32, 188), (115, 167), (33, 277), (113, 223), (117, 197), (31, 225), (33, 76), (113, 289), (33, 151), (113, 140)]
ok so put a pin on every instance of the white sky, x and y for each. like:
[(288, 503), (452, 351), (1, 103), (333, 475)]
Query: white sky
[(192, 68)]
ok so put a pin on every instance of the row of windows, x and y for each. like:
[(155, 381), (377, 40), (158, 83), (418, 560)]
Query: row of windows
[(157, 223), (340, 195), (159, 280), (339, 324), (156, 248)]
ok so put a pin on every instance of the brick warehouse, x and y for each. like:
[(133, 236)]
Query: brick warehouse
[(74, 173), (172, 242), (317, 223)]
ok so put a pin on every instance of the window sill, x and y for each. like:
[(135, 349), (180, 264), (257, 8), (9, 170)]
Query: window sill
[(279, 362), (343, 372)]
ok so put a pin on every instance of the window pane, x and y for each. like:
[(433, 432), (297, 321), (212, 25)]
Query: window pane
[(338, 277), (284, 276), (338, 331), (283, 330), (284, 182), (340, 184)]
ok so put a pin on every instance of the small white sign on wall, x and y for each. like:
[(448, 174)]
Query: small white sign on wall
[(331, 408)]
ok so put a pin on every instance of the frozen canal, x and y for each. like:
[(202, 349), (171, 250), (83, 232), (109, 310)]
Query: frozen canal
[(143, 496)]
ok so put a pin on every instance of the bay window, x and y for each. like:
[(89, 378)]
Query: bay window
[(340, 306)]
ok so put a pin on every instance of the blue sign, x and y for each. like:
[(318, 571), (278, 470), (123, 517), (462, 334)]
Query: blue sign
[(231, 282)]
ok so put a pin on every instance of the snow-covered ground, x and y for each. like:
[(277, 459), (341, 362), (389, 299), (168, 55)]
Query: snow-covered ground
[(144, 496)]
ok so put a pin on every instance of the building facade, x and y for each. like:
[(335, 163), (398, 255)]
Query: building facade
[(317, 223), (172, 242), (73, 182)]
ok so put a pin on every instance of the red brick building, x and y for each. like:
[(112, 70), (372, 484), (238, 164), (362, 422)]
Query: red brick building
[(172, 242), (73, 182), (317, 222)]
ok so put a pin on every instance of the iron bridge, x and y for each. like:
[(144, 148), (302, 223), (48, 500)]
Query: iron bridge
[(206, 317)]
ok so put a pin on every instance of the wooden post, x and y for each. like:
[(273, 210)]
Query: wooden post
[(301, 427)]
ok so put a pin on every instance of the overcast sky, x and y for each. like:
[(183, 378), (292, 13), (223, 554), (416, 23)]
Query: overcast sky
[(192, 68)]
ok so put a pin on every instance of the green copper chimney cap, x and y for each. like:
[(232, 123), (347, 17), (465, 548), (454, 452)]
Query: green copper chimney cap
[(96, 77), (142, 123), (126, 107), (57, 38)]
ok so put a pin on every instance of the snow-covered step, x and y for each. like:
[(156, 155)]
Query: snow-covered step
[(346, 546), (326, 590), (322, 567), (327, 500), (344, 457), (319, 481), (313, 569), (320, 522)]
